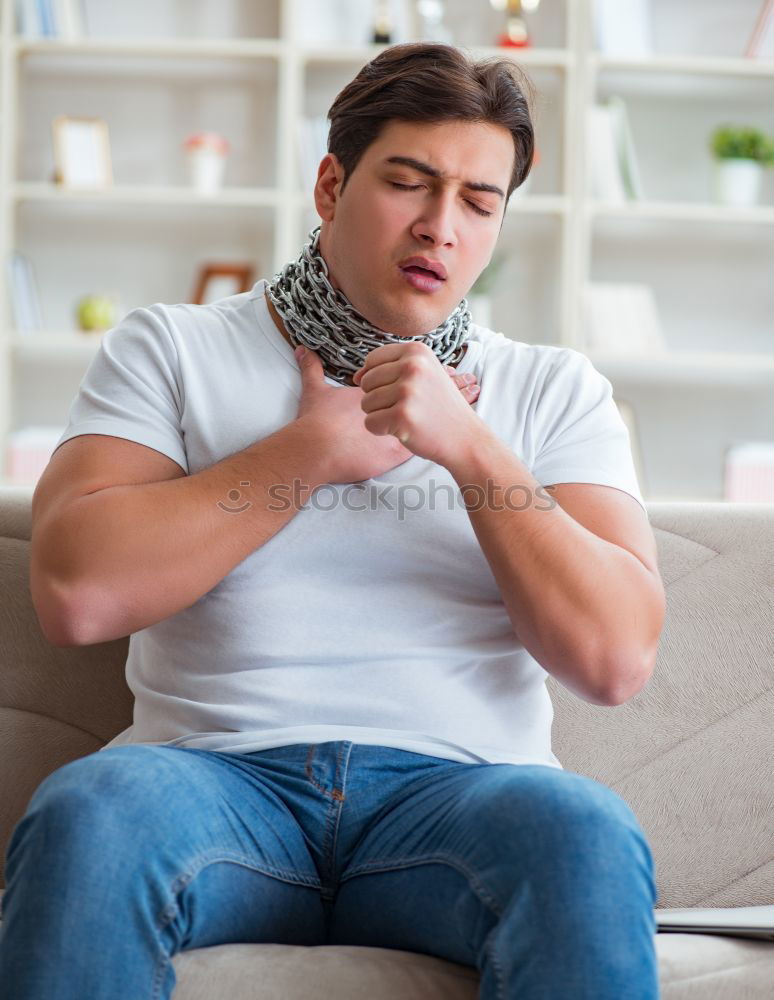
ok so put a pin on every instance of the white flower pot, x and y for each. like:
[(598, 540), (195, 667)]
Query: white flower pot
[(206, 169), (738, 181)]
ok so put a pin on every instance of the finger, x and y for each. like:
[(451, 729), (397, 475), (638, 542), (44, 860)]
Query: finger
[(471, 392), (379, 399), (464, 380), (379, 375), (386, 354)]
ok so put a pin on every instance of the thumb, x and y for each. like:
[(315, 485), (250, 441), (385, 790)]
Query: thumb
[(309, 362)]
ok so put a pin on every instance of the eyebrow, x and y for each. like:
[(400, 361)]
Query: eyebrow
[(425, 168)]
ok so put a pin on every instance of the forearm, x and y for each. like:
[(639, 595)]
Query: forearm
[(127, 557), (575, 600)]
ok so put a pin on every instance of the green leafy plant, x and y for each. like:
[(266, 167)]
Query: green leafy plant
[(731, 142), (486, 281)]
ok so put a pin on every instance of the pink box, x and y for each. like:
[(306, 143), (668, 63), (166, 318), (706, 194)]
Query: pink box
[(749, 473), (29, 450)]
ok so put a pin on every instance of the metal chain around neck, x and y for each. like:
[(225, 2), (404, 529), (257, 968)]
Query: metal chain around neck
[(320, 317)]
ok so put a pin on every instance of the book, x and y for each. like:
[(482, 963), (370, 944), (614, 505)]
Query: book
[(622, 319), (63, 19), (68, 19), (312, 145), (761, 43), (736, 921), (623, 29), (25, 301), (605, 174), (624, 144)]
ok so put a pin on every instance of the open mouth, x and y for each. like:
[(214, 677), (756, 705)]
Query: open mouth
[(421, 278), (416, 269)]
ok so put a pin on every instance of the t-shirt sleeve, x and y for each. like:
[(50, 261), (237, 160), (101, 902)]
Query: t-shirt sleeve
[(132, 387), (579, 433)]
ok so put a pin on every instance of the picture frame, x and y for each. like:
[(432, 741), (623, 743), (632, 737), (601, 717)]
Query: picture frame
[(218, 281), (82, 153)]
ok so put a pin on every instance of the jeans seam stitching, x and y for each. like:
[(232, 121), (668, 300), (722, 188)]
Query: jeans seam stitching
[(447, 859), (203, 861), (489, 948), (161, 967), (334, 794), (337, 819)]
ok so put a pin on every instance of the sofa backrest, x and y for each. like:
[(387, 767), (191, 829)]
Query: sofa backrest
[(691, 753)]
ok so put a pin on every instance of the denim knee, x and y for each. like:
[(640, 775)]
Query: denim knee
[(544, 814), (114, 792)]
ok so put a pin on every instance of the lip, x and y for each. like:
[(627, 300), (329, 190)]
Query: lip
[(423, 282), (431, 265)]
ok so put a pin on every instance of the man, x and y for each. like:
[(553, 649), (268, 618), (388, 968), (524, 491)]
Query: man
[(341, 729)]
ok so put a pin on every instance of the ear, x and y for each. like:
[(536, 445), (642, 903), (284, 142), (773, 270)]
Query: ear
[(330, 176)]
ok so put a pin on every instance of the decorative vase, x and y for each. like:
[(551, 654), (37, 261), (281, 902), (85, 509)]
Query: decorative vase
[(207, 153), (738, 181)]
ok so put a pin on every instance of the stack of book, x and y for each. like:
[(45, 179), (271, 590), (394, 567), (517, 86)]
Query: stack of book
[(64, 19)]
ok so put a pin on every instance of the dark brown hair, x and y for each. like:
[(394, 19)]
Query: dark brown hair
[(429, 82)]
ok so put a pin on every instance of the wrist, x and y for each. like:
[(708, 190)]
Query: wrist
[(295, 454), (476, 455)]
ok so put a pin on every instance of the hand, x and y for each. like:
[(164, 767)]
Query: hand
[(334, 415), (408, 395)]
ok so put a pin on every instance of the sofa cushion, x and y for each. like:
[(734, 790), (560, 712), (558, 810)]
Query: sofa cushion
[(691, 967)]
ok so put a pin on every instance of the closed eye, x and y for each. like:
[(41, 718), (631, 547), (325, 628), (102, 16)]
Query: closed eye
[(415, 187)]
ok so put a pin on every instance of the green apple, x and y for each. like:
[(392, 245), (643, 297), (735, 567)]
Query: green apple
[(96, 312)]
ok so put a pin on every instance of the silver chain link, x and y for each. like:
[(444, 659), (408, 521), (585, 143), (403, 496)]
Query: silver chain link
[(320, 317)]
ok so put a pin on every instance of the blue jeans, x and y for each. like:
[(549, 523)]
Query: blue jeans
[(540, 878)]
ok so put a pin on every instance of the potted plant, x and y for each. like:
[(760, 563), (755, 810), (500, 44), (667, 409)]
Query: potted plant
[(741, 154), (480, 295)]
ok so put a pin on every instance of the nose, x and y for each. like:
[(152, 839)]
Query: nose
[(435, 225)]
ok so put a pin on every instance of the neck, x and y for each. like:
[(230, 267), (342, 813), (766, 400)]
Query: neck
[(278, 321), (307, 309)]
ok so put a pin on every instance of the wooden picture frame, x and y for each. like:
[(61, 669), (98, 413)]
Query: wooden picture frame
[(82, 160), (218, 281)]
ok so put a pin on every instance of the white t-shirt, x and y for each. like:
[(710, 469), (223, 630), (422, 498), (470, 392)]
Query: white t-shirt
[(372, 615)]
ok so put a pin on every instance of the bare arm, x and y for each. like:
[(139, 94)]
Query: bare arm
[(119, 559), (583, 602)]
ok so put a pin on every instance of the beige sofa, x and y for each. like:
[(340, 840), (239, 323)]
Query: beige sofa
[(691, 754)]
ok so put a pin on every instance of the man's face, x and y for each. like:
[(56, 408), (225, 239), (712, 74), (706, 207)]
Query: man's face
[(431, 208)]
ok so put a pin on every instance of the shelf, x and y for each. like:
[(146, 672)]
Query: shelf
[(680, 211), (702, 65), (680, 367), (540, 204), (360, 54), (256, 88), (149, 194), (246, 48), (47, 345)]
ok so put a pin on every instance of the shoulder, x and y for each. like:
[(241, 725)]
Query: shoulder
[(534, 366), (184, 326)]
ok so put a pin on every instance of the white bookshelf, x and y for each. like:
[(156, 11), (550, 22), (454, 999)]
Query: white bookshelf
[(245, 70)]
